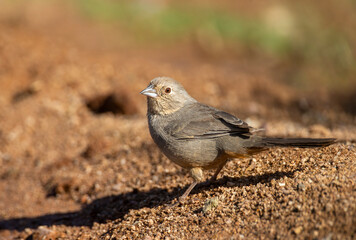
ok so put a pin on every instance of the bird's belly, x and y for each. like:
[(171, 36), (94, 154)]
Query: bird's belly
[(191, 153), (186, 153)]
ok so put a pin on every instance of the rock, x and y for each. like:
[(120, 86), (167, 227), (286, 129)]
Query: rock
[(298, 230), (301, 187)]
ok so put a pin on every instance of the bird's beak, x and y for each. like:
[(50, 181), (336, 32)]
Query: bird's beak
[(150, 92)]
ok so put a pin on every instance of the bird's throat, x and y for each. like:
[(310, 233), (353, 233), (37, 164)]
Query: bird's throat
[(157, 107)]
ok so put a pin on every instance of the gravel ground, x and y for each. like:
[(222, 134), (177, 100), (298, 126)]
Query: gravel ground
[(77, 161)]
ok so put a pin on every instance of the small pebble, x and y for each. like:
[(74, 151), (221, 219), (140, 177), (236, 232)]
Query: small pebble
[(298, 230), (301, 187)]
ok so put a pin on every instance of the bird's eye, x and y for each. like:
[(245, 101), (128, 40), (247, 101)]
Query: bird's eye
[(168, 90)]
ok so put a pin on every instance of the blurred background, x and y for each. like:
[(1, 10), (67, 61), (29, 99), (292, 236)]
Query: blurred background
[(308, 46)]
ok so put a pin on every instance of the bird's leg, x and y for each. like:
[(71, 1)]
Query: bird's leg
[(186, 193), (220, 167), (197, 174)]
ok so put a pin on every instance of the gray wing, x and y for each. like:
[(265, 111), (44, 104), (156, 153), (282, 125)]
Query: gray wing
[(203, 122)]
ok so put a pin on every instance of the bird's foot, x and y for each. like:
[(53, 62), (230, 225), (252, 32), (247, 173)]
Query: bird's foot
[(180, 201), (173, 205)]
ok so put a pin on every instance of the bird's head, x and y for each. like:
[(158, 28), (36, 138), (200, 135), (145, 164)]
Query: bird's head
[(165, 96)]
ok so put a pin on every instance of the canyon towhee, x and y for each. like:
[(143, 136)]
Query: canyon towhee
[(196, 136)]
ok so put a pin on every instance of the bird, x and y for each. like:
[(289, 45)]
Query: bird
[(199, 137)]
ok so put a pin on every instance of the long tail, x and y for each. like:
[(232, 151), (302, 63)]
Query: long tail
[(299, 142)]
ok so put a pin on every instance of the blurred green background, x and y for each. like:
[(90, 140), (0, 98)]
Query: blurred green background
[(315, 41), (311, 44)]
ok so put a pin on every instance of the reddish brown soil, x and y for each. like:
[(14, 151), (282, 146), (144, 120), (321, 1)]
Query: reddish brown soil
[(77, 160)]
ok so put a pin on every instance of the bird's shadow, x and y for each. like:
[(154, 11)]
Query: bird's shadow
[(117, 206)]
